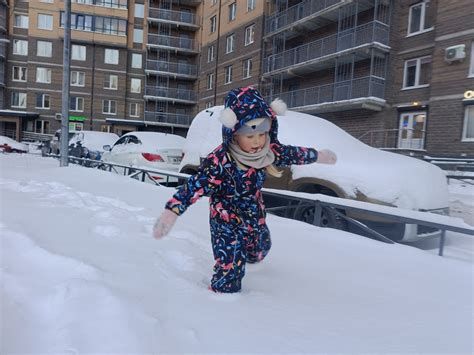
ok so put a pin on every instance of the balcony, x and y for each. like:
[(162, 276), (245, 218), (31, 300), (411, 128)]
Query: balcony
[(176, 70), (168, 119), (177, 18), (3, 49), (178, 44), (366, 93), (312, 56), (171, 95), (304, 16)]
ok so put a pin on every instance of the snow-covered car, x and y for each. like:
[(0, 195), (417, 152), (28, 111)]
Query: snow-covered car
[(90, 144), (362, 172), (147, 150), (9, 145)]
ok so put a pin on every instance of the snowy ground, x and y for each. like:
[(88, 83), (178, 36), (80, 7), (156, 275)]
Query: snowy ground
[(81, 274)]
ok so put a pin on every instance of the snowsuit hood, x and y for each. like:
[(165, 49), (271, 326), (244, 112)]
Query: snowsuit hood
[(245, 104)]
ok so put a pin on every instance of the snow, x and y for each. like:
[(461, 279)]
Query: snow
[(94, 140), (80, 273), (13, 143), (360, 169)]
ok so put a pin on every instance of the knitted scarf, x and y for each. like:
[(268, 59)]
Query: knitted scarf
[(257, 160)]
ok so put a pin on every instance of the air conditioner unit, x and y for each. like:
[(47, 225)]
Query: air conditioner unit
[(455, 53), (58, 116)]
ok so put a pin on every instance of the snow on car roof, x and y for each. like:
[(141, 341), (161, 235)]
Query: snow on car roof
[(13, 143), (162, 140)]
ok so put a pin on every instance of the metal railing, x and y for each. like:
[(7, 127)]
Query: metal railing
[(364, 34), (171, 94), (175, 119), (180, 43), (172, 67), (343, 90), (286, 18), (174, 16), (33, 136), (400, 138)]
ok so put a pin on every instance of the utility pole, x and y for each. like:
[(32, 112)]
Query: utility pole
[(64, 157)]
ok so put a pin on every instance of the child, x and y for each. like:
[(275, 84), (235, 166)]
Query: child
[(232, 176)]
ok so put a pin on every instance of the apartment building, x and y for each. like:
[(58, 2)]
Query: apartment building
[(395, 74)]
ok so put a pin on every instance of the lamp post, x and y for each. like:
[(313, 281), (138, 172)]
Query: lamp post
[(64, 157)]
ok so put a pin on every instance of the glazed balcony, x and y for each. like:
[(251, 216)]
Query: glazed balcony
[(173, 69), (366, 92), (176, 18), (173, 95), (179, 44), (311, 56), (3, 48), (168, 119)]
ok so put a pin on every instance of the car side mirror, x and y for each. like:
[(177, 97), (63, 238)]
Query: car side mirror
[(107, 148)]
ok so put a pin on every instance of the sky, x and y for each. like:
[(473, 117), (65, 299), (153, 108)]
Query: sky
[(81, 274)]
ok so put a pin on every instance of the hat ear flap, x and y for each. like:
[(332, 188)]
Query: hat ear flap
[(278, 106), (228, 118)]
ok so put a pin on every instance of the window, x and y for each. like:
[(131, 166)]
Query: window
[(468, 131), (213, 24), (42, 101), (110, 26), (134, 110), (45, 22), (44, 49), (78, 52), (20, 47), (232, 11), (19, 73), (213, 2), (249, 34), (250, 5), (139, 10), (81, 22), (228, 74), (111, 82), (136, 60), (418, 21), (43, 75), (19, 99), (111, 56), (109, 106), (76, 104), (210, 53), (136, 85), (210, 81), (230, 44), (76, 126), (247, 68), (137, 35), (416, 72), (42, 126), (471, 69), (78, 78), (21, 21)]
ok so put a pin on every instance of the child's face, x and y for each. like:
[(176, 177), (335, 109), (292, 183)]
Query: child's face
[(251, 143)]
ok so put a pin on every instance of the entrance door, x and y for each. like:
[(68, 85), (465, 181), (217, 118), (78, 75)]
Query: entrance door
[(411, 134)]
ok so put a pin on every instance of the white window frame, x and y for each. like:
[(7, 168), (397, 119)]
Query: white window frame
[(211, 53), (111, 87), (213, 24), (78, 52), (109, 105), (247, 68), (46, 49), (471, 67), (139, 11), (76, 78), (233, 11), (111, 56), (43, 100), (464, 130), (210, 81), (45, 22), (421, 28), (228, 75), (22, 97), (417, 84), (24, 21), (22, 71), (230, 44), (79, 104), (137, 109), (251, 5), (20, 47), (249, 35), (137, 35), (44, 126), (136, 85), (137, 58), (43, 75), (209, 104)]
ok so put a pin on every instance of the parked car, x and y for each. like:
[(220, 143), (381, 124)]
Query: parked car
[(9, 145), (152, 150), (362, 172), (89, 144)]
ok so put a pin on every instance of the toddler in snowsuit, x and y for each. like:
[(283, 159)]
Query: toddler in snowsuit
[(233, 176)]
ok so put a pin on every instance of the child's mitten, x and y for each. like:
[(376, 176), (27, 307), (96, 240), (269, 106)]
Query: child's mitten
[(164, 224), (326, 156)]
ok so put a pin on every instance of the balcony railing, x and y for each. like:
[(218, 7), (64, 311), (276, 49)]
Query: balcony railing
[(174, 119), (172, 68), (343, 90), (171, 94), (395, 138), (178, 17), (297, 12), (360, 35), (179, 43)]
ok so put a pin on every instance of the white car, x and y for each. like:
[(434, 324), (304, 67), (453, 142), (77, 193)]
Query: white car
[(362, 172), (147, 150)]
